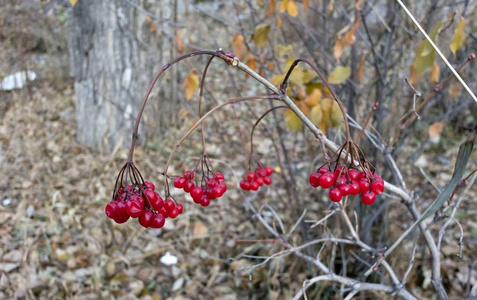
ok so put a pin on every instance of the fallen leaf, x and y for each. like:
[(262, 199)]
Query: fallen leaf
[(459, 36), (240, 50), (338, 48), (350, 36), (436, 129), (339, 75), (200, 229), (313, 98), (283, 6), (316, 115), (191, 84), (252, 62), (260, 36)]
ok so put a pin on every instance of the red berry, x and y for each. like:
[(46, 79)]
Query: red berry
[(180, 208), (335, 195), (204, 200), (324, 169), (261, 172), (354, 188), (150, 185), (364, 185), (377, 187), (326, 181), (368, 198), (189, 174), (174, 213), (134, 208), (158, 204), (121, 209), (259, 181), (110, 209), (210, 193), (378, 178), (158, 221), (267, 180), (354, 174), (151, 195), (218, 191), (211, 183), (251, 176), (196, 193), (254, 186), (169, 206), (219, 176), (342, 180), (268, 171), (164, 212), (314, 179), (345, 189), (179, 182), (338, 170), (189, 186), (121, 219), (245, 185), (145, 218)]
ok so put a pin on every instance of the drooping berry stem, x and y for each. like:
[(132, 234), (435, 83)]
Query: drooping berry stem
[(219, 53), (201, 94), (325, 82)]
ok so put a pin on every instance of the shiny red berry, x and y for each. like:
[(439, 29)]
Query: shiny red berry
[(251, 176), (145, 218), (180, 208), (174, 213), (204, 200), (121, 219), (211, 183), (326, 181), (259, 180), (150, 195), (268, 171), (368, 198), (169, 205), (335, 195), (314, 179), (354, 188), (158, 221), (134, 207), (189, 186), (377, 187), (267, 180), (150, 185), (245, 185), (196, 193), (345, 189), (158, 203), (179, 182), (364, 185), (219, 176), (254, 186), (110, 209)]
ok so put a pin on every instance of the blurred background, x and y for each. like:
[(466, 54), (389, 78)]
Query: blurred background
[(73, 75)]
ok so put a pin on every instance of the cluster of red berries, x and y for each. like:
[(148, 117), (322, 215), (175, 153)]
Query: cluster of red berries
[(144, 203), (344, 182), (256, 179), (212, 188)]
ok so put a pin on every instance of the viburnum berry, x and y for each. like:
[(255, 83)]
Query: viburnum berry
[(196, 193), (169, 205), (150, 195), (134, 207), (157, 204), (189, 186), (150, 185), (364, 185), (245, 185), (110, 209), (211, 183), (219, 176), (251, 176), (269, 171), (335, 195), (180, 208), (204, 200), (326, 180), (345, 190), (260, 180), (354, 174), (180, 182), (254, 186), (157, 221), (174, 213), (354, 188), (314, 179), (324, 169), (368, 198), (145, 218), (377, 187), (267, 180)]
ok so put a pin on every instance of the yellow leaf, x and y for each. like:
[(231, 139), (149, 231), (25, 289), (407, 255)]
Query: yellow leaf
[(260, 36), (435, 73), (293, 122), (291, 9), (338, 48), (425, 54), (271, 7), (436, 129), (252, 62), (297, 76), (284, 50), (240, 50), (316, 115), (339, 75), (360, 71), (180, 45), (454, 89), (308, 76), (73, 2), (305, 4), (313, 98), (459, 36), (303, 107), (283, 6), (336, 116), (277, 79), (350, 36), (191, 84), (427, 47)]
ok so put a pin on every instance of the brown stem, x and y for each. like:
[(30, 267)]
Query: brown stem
[(220, 54), (326, 83), (273, 97), (366, 122), (201, 94)]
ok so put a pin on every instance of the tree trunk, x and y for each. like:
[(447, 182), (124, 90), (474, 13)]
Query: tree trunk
[(116, 48)]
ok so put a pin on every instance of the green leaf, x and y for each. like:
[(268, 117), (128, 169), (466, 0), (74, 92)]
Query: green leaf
[(459, 36), (339, 75), (260, 35), (425, 54)]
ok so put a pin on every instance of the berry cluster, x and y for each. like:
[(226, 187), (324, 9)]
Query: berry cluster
[(212, 188), (343, 182), (144, 203), (256, 179)]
